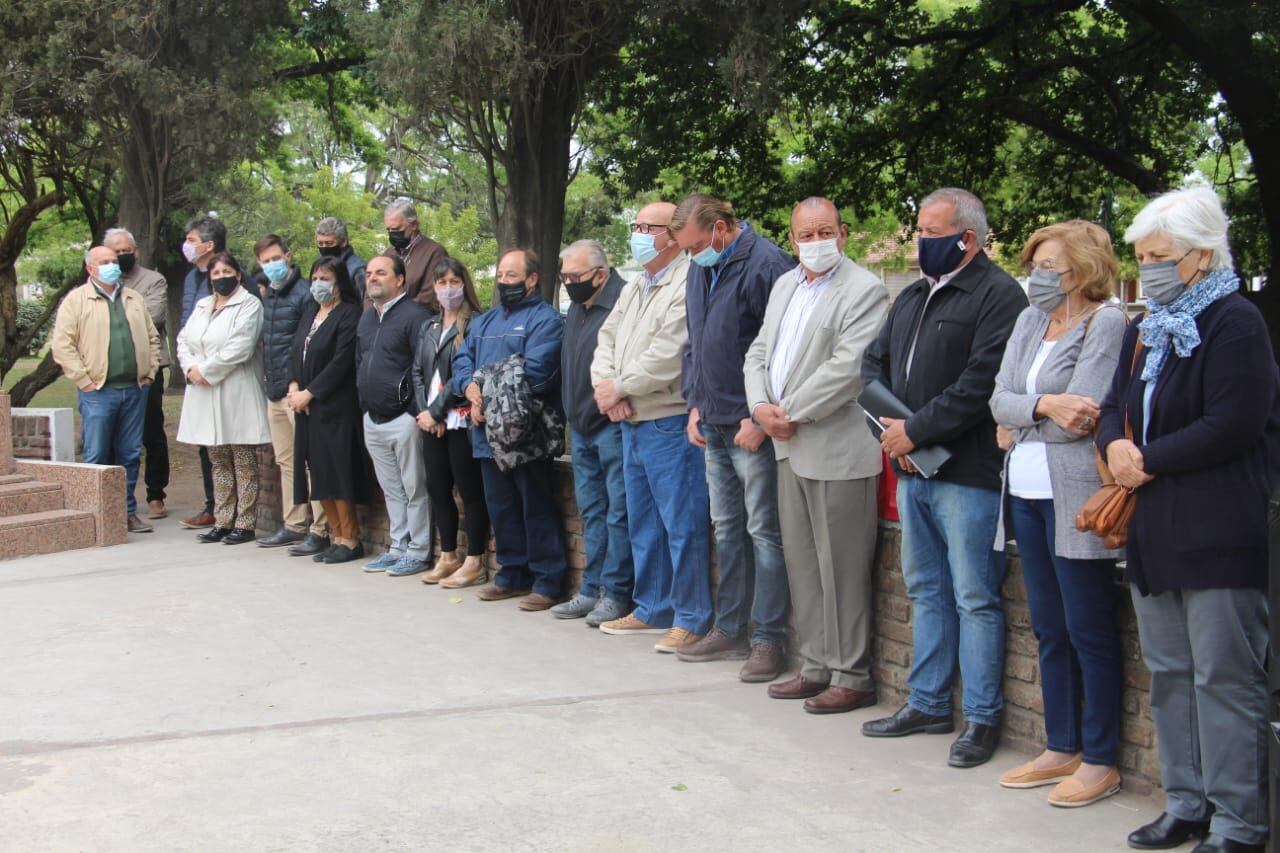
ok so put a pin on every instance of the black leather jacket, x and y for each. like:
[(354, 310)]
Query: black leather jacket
[(435, 350)]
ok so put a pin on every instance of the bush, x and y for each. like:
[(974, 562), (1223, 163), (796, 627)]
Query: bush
[(29, 311)]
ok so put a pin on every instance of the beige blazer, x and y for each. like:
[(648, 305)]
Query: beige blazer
[(833, 441)]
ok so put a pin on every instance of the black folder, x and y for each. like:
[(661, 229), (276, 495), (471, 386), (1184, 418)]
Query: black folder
[(877, 401)]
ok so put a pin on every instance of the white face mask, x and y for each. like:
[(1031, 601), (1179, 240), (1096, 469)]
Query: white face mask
[(820, 255)]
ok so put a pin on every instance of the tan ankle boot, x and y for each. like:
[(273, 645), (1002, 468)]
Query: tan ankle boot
[(472, 572), (444, 567)]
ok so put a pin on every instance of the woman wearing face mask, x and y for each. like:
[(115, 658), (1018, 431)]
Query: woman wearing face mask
[(1058, 364), (444, 420), (330, 464), (225, 406), (1204, 406)]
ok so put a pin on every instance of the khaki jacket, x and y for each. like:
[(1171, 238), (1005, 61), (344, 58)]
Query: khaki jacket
[(641, 344), (833, 441), (155, 291), (82, 332)]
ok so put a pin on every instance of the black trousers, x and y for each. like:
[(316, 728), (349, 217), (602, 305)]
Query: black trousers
[(206, 474), (450, 463), (154, 441)]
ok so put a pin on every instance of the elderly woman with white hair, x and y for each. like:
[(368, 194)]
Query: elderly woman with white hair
[(1193, 425)]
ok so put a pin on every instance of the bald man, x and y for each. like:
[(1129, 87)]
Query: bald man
[(636, 374)]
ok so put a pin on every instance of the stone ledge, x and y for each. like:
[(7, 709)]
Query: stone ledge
[(97, 489)]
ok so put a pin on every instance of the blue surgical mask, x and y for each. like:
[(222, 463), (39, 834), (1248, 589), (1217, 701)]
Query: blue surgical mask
[(709, 256), (276, 271), (322, 291), (642, 248), (108, 273)]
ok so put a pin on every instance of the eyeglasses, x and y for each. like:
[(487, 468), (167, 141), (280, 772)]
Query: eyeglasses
[(579, 277), (1047, 265), (647, 228)]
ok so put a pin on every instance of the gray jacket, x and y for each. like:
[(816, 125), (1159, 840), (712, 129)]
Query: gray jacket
[(1082, 362)]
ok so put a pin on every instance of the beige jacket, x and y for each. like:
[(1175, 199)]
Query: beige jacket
[(82, 333), (641, 342), (833, 441), (155, 291)]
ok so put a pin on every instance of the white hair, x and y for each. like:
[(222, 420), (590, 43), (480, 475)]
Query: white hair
[(403, 206), (970, 213), (118, 232), (332, 226), (596, 255), (1190, 219)]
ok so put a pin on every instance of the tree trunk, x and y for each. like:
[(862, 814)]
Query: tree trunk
[(45, 374), (12, 242)]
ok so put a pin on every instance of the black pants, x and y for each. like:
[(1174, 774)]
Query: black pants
[(206, 474), (450, 463), (155, 442)]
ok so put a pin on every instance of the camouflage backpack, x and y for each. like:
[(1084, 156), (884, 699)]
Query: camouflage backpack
[(519, 426)]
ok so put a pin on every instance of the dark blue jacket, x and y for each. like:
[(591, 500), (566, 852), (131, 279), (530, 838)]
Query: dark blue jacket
[(194, 288), (355, 268), (724, 321), (282, 310), (532, 328), (1213, 447)]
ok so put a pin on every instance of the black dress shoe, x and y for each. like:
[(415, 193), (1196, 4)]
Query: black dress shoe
[(283, 536), (975, 745), (319, 558), (908, 721), (213, 534), (1215, 843), (310, 545), (1167, 832), (238, 536), (343, 554)]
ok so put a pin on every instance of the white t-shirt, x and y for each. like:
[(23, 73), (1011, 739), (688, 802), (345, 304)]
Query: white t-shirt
[(453, 420), (1029, 462)]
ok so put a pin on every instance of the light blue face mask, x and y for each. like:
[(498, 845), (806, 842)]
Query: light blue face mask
[(276, 271), (642, 248), (709, 256), (322, 291), (108, 273)]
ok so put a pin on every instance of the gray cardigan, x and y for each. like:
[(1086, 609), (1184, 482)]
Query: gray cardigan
[(1083, 362)]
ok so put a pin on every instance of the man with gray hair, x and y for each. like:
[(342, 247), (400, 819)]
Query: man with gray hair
[(938, 353), (155, 292), (605, 592), (333, 242), (419, 253)]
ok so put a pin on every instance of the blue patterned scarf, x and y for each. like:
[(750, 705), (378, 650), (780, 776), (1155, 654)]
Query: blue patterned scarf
[(1176, 322)]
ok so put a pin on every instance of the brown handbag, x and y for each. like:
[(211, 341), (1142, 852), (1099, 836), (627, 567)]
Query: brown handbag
[(1108, 511)]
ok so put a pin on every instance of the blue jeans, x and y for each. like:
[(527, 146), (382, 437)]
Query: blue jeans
[(601, 489), (667, 515), (744, 512), (1073, 612), (111, 422), (953, 577), (527, 536)]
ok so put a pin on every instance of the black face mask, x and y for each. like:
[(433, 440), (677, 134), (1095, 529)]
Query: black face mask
[(330, 251), (511, 294), (224, 286), (581, 291), (127, 261), (398, 239)]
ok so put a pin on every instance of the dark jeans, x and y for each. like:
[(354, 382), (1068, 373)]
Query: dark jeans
[(528, 539), (449, 463), (601, 491), (155, 442), (1073, 612), (111, 421)]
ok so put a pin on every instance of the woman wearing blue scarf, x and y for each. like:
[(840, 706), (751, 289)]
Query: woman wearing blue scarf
[(1204, 406)]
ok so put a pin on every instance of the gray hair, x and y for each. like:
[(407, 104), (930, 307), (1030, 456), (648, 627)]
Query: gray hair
[(118, 232), (1190, 219), (970, 213), (332, 226), (596, 255), (404, 206)]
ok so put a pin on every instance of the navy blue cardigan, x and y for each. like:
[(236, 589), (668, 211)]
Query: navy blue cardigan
[(1214, 449)]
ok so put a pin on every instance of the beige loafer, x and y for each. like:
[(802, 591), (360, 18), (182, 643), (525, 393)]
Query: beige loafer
[(1028, 776), (1072, 793)]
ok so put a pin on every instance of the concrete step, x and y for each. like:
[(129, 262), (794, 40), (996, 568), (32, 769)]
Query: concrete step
[(46, 532), (23, 498), (15, 478)]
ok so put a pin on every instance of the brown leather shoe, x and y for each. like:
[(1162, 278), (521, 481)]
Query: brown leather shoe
[(199, 521), (535, 601), (764, 664), (839, 700), (796, 688), (156, 510), (445, 566), (717, 645), (493, 592), (472, 573), (137, 525)]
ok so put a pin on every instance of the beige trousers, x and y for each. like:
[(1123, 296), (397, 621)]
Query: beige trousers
[(280, 418)]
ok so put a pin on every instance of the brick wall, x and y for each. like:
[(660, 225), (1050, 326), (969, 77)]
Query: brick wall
[(31, 437), (1024, 707)]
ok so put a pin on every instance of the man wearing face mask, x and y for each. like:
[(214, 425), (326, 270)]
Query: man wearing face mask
[(594, 287), (522, 507), (332, 242), (155, 291), (205, 237), (105, 343), (938, 353), (419, 253), (286, 298), (802, 387), (733, 272)]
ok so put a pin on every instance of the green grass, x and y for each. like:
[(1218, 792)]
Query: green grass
[(59, 395)]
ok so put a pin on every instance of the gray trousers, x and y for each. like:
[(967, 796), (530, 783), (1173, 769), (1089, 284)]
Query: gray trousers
[(396, 450), (1207, 652), (829, 543)]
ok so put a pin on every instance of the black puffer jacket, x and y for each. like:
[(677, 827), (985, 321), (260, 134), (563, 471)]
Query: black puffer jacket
[(281, 312)]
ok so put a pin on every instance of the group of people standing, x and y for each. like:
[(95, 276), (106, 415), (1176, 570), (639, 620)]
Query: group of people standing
[(718, 391)]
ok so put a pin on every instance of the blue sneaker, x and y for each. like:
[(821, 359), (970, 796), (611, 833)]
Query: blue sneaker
[(407, 566), (384, 562)]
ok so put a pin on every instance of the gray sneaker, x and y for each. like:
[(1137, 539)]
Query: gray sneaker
[(582, 603), (606, 610)]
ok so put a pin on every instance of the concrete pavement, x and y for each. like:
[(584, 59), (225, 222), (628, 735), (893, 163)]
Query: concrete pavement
[(171, 696)]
